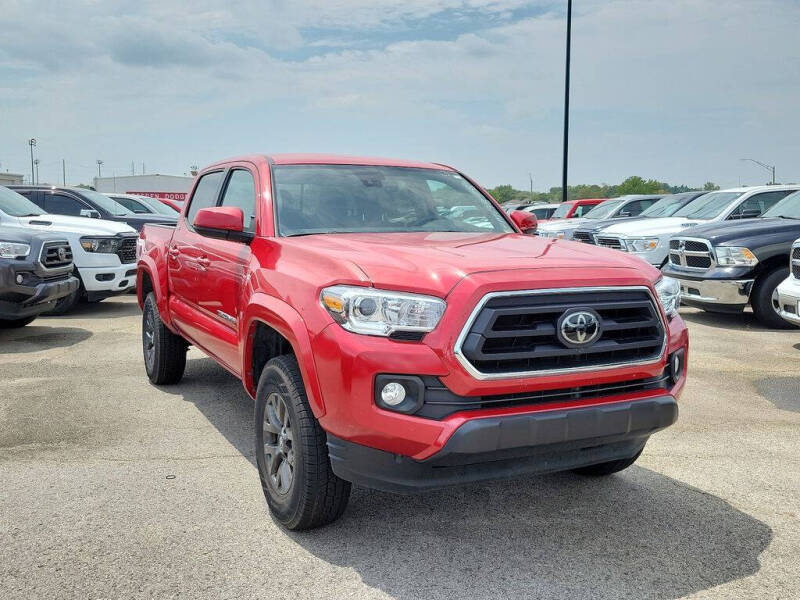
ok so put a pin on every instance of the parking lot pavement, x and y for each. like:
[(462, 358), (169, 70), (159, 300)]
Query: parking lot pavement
[(113, 488)]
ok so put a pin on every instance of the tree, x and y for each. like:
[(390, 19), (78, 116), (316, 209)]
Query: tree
[(504, 193), (637, 185), (710, 186)]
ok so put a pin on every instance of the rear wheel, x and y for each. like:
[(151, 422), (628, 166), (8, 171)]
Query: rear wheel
[(764, 299), (608, 468), (164, 351), (15, 323), (302, 491)]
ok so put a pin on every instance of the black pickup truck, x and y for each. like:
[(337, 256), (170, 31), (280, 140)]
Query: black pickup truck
[(35, 271), (724, 266)]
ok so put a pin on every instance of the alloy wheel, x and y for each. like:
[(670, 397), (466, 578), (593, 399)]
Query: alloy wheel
[(278, 444)]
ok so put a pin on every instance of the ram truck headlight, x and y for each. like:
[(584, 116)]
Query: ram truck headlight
[(377, 312), (641, 244), (669, 295), (13, 250), (734, 256), (104, 245)]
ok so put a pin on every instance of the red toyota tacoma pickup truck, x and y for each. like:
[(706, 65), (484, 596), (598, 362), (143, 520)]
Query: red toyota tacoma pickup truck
[(395, 339)]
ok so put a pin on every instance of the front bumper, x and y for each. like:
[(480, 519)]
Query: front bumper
[(705, 291), (102, 282), (500, 447), (789, 300), (38, 299)]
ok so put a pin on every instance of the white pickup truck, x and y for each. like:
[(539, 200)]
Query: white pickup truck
[(104, 252), (649, 239)]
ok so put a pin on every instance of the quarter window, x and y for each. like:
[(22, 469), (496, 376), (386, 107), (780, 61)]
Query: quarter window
[(241, 193), (205, 194)]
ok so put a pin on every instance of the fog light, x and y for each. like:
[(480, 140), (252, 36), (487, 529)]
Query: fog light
[(393, 393), (20, 279), (677, 365)]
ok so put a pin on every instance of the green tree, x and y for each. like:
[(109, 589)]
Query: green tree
[(710, 186), (503, 193), (637, 185)]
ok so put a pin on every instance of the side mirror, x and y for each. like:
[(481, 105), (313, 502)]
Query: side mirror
[(624, 213), (526, 221), (224, 222), (91, 213), (750, 213)]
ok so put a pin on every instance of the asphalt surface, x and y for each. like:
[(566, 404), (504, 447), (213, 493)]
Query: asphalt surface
[(113, 488)]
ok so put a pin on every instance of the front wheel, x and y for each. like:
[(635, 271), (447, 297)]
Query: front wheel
[(764, 299), (15, 323), (164, 351), (301, 489)]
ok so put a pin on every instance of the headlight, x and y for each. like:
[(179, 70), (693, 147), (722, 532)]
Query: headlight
[(732, 256), (669, 295), (13, 250), (377, 312), (101, 244), (641, 244)]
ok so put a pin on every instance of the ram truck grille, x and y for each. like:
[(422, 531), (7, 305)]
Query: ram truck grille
[(127, 250), (56, 254), (522, 333), (795, 262), (583, 236), (610, 242), (691, 254)]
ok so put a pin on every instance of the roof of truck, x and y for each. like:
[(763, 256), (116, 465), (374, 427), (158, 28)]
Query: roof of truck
[(335, 159)]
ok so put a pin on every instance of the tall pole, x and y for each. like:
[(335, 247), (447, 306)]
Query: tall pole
[(63, 172), (770, 168), (566, 104), (531, 178), (36, 162), (32, 143), (99, 164)]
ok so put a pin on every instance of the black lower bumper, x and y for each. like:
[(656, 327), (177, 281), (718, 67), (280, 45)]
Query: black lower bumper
[(502, 447), (42, 299)]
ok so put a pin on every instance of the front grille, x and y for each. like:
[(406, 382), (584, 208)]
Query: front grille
[(127, 250), (516, 333), (56, 254), (583, 236), (795, 262), (690, 254), (440, 402), (610, 242)]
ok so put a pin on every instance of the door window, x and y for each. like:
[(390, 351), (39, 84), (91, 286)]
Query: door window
[(59, 204), (755, 205), (241, 193), (205, 194)]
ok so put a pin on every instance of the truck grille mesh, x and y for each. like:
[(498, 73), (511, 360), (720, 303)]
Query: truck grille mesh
[(518, 333), (610, 242), (795, 262), (583, 236), (127, 251), (691, 254), (56, 254)]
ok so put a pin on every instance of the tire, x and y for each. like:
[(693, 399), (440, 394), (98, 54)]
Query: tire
[(164, 352), (302, 491), (761, 299), (66, 304), (608, 468), (15, 323)]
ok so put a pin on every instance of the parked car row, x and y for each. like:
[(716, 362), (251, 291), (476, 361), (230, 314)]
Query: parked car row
[(93, 235)]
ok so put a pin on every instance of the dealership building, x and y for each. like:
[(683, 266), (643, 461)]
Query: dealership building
[(10, 179), (171, 187)]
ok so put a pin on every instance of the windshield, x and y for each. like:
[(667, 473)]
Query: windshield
[(106, 203), (788, 208), (363, 199), (601, 211), (159, 206), (709, 206), (16, 205), (562, 210), (665, 207)]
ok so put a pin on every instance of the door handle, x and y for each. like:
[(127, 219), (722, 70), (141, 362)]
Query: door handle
[(173, 252), (203, 262)]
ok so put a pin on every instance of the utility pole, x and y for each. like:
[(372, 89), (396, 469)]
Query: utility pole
[(36, 163), (99, 164), (566, 104), (133, 172), (531, 178), (32, 144), (63, 172), (770, 168)]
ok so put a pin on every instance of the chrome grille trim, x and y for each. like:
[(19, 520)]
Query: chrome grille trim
[(686, 250)]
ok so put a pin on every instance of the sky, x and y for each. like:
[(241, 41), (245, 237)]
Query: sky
[(676, 90)]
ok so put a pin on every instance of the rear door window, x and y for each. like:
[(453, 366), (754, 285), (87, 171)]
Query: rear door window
[(759, 202), (59, 204), (205, 194)]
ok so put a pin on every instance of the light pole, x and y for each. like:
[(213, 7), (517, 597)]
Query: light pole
[(531, 178), (770, 168), (32, 143), (99, 164), (36, 163), (566, 103)]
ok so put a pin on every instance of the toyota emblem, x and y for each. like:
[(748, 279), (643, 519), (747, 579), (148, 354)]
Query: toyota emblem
[(579, 327), (62, 254)]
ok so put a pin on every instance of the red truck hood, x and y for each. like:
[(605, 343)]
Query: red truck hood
[(435, 262)]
